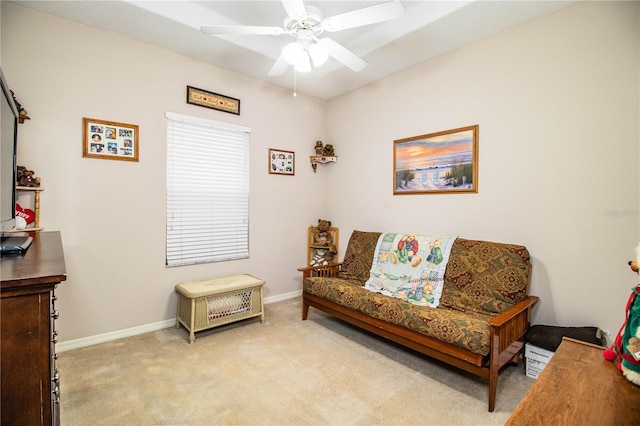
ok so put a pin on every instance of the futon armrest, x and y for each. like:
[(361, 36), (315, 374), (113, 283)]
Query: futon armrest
[(513, 312), (508, 330), (321, 271)]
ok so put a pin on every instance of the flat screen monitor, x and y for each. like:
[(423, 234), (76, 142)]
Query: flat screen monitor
[(8, 144)]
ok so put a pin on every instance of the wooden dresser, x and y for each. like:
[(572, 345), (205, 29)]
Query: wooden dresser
[(28, 373), (579, 387)]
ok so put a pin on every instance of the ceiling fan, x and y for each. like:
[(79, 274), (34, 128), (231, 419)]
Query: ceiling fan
[(306, 24)]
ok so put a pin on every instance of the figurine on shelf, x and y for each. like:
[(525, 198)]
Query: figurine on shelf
[(27, 178), (328, 150), (330, 255), (322, 236), (24, 217), (324, 256), (22, 113), (324, 155)]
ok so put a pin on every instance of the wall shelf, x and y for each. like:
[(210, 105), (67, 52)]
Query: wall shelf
[(322, 159), (36, 208), (316, 253)]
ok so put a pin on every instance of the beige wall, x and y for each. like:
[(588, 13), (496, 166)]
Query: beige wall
[(557, 104), (112, 213), (557, 101)]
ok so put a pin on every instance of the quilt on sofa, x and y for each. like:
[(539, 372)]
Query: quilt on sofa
[(410, 267)]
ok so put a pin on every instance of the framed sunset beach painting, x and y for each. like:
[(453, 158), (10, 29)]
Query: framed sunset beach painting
[(445, 162)]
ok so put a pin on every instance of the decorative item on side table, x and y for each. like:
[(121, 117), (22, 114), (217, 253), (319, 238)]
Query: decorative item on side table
[(437, 163), (27, 200), (109, 140), (28, 208), (323, 244), (324, 155), (282, 162), (26, 177)]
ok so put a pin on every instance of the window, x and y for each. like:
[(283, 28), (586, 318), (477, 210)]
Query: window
[(207, 190)]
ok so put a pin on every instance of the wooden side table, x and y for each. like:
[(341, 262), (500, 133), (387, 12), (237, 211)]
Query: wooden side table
[(579, 387)]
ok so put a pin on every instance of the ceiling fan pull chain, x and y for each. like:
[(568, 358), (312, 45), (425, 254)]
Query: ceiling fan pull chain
[(295, 91)]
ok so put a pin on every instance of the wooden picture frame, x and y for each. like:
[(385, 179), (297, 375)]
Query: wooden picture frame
[(282, 162), (444, 162), (212, 100), (109, 140)]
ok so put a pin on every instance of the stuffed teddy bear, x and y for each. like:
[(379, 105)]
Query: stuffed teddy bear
[(319, 147), (627, 341), (324, 256), (322, 236), (25, 177), (328, 150), (329, 256)]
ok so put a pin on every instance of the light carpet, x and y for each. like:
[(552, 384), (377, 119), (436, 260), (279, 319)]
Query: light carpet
[(282, 372)]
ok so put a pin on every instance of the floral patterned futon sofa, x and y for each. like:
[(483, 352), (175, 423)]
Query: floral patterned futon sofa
[(479, 324)]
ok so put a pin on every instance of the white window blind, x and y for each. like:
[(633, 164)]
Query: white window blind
[(207, 190)]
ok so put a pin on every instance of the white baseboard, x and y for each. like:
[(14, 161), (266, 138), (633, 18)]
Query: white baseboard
[(146, 328), (281, 297), (113, 335)]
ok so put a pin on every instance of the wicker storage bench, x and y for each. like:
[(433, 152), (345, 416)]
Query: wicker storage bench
[(209, 303)]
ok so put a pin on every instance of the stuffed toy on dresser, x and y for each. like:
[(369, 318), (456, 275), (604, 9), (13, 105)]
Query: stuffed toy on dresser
[(626, 346)]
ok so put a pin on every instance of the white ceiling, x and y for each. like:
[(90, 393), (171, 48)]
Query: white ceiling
[(427, 29)]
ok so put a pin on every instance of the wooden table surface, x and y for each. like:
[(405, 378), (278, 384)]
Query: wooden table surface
[(43, 262), (579, 387)]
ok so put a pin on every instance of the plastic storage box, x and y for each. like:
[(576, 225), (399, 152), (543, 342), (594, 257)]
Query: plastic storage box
[(536, 360)]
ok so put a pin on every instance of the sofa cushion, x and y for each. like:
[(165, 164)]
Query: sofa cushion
[(359, 256), (485, 277), (467, 330)]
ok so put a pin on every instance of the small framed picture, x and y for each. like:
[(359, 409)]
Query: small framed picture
[(109, 140), (282, 162)]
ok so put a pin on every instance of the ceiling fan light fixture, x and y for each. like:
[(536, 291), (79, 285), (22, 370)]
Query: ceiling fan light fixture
[(306, 23), (303, 64), (319, 54), (293, 52)]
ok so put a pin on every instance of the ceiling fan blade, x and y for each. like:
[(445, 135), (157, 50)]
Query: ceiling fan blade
[(240, 30), (294, 8), (365, 16), (280, 66), (343, 55)]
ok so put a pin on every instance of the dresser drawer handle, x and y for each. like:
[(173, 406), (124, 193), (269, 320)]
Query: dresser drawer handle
[(55, 314), (54, 337)]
